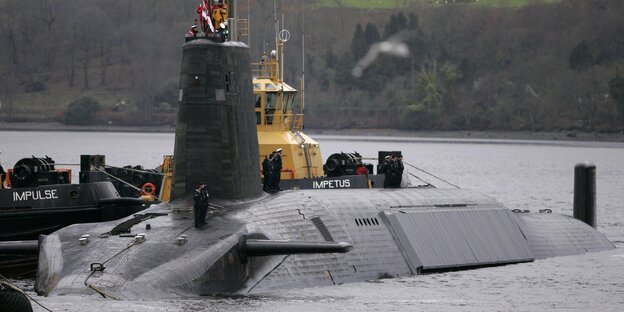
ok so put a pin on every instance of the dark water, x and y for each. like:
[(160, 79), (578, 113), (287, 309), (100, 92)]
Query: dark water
[(520, 174)]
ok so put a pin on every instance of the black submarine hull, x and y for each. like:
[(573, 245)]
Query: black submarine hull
[(394, 233)]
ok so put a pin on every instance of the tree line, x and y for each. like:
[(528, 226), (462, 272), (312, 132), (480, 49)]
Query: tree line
[(123, 53), (543, 66)]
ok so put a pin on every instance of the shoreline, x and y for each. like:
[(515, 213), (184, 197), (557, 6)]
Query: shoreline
[(486, 135), (570, 136), (57, 126)]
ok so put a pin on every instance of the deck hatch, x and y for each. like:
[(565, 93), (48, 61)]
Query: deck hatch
[(439, 239)]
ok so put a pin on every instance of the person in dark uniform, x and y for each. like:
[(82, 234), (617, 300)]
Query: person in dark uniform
[(2, 175), (200, 206), (277, 169), (267, 171), (383, 168), (400, 169), (392, 171)]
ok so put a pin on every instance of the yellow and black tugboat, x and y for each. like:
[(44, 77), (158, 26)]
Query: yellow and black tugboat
[(277, 123), (280, 128)]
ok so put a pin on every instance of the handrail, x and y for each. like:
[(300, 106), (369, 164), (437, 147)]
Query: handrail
[(264, 70), (306, 151), (292, 172)]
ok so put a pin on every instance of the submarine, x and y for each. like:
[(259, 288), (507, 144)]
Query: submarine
[(254, 242)]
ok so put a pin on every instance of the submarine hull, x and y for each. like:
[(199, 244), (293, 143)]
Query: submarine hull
[(394, 233)]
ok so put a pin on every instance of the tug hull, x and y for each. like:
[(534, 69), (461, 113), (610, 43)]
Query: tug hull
[(26, 213)]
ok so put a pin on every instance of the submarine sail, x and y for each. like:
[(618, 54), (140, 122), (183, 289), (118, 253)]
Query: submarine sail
[(216, 133)]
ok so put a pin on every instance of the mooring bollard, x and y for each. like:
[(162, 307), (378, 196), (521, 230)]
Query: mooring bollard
[(585, 193)]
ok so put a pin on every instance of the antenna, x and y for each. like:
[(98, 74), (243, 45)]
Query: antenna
[(278, 56)]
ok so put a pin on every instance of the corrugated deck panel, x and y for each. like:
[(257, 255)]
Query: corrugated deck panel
[(454, 238), (290, 216), (375, 253), (553, 235)]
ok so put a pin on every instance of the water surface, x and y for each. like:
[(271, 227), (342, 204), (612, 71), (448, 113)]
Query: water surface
[(521, 174)]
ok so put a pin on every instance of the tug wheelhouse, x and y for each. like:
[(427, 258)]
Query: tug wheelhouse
[(278, 125)]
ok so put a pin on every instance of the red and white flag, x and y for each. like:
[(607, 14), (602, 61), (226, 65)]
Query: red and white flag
[(205, 6)]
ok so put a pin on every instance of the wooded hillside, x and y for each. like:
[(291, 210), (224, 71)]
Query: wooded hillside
[(542, 66)]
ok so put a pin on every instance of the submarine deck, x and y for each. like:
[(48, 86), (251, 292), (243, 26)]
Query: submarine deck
[(395, 232)]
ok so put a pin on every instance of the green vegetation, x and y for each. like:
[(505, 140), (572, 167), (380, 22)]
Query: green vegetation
[(477, 68), (366, 4), (81, 111), (509, 3), (393, 4), (496, 65), (616, 90)]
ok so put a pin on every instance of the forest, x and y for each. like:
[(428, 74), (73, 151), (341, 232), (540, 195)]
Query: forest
[(535, 66)]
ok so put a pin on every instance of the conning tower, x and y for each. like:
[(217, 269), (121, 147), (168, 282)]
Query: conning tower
[(216, 140)]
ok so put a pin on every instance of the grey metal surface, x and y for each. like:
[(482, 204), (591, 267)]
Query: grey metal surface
[(216, 140), (351, 216), (157, 267), (318, 222), (552, 235), (428, 228), (289, 215), (455, 238)]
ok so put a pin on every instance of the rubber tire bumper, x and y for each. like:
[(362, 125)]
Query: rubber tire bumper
[(13, 301)]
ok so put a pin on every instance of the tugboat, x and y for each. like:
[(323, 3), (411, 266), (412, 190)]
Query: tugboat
[(280, 127), (38, 199), (254, 242)]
